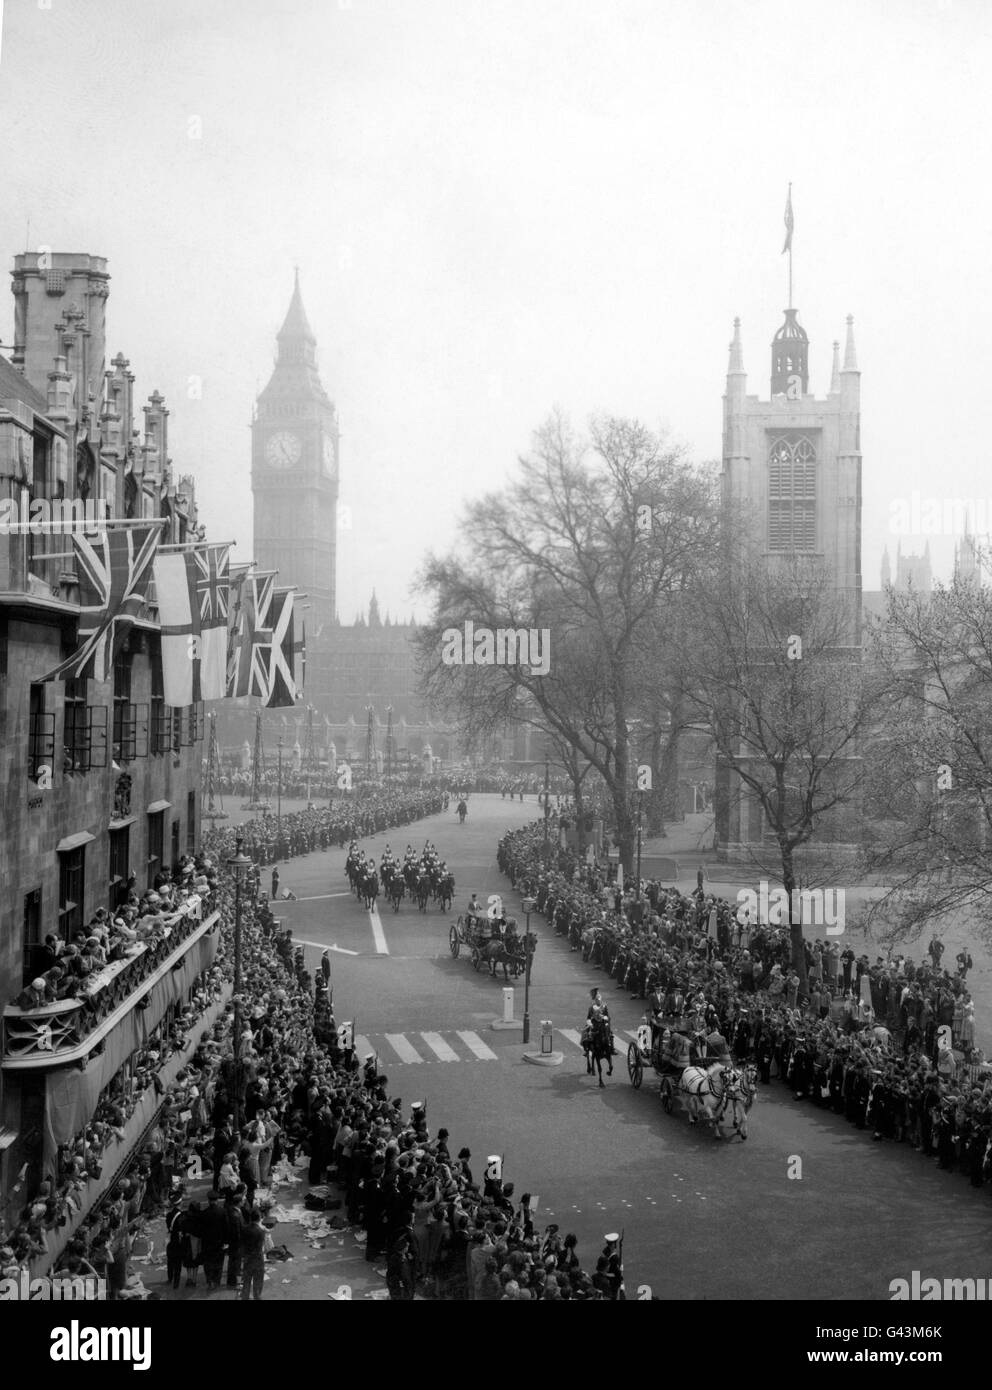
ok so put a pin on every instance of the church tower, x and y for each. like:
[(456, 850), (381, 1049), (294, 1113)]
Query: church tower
[(294, 478), (792, 463), (791, 483)]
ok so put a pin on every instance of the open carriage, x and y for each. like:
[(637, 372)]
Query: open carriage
[(710, 1090), (486, 947)]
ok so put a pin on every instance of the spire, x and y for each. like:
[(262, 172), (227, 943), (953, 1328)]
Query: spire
[(736, 365), (835, 372), (886, 563), (374, 611), (850, 356), (295, 324)]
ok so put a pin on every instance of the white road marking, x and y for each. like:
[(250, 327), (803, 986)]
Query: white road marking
[(363, 1048), (378, 933), (484, 1054), (323, 946), (440, 1048), (318, 897), (571, 1035), (404, 1050)]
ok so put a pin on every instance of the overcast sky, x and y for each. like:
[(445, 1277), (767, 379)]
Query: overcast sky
[(500, 206)]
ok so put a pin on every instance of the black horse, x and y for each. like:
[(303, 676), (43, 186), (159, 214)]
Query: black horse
[(597, 1043)]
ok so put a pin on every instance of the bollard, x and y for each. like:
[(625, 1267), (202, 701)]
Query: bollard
[(547, 1036), (508, 1005)]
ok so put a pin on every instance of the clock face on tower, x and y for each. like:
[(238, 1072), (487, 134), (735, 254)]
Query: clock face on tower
[(329, 459), (283, 450)]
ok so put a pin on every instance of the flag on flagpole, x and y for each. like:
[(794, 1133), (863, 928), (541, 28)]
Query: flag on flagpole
[(192, 591), (248, 669), (114, 568), (175, 589), (282, 653), (237, 575), (212, 564), (789, 222)]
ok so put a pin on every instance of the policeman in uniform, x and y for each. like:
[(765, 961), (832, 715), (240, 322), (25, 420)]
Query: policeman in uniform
[(614, 1265)]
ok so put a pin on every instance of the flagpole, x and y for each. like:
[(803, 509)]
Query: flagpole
[(191, 545)]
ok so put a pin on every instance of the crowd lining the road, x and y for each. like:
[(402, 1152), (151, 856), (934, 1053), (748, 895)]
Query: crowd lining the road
[(299, 1090), (885, 1064)]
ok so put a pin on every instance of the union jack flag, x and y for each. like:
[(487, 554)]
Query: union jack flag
[(248, 671), (114, 568), (213, 582), (282, 652)]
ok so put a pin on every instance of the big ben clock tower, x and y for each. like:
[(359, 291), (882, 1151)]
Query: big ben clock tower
[(294, 480)]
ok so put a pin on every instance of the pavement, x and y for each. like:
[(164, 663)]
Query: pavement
[(807, 1206)]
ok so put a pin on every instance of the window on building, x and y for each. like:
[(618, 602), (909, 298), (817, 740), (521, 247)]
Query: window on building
[(120, 856), (123, 735), (75, 728), (191, 823), (174, 848), (41, 737), (792, 495), (71, 887), (161, 715), (3, 646), (31, 939), (156, 844)]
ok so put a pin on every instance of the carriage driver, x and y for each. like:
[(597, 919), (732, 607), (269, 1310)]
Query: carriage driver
[(475, 908)]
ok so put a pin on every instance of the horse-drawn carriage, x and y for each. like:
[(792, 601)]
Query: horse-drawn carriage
[(712, 1089), (487, 945)]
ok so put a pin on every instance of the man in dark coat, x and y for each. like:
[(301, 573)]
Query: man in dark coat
[(235, 1215), (214, 1240)]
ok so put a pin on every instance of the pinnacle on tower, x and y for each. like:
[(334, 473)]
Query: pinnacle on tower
[(835, 372), (736, 352), (850, 356)]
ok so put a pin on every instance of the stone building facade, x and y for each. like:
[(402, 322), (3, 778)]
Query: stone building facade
[(101, 780)]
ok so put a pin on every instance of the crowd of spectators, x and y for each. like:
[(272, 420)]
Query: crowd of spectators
[(297, 1093), (889, 1044)]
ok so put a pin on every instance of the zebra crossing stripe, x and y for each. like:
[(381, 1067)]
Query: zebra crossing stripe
[(363, 1048), (440, 1048), (404, 1050), (478, 1047), (571, 1035)]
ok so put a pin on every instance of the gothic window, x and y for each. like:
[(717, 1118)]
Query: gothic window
[(792, 494)]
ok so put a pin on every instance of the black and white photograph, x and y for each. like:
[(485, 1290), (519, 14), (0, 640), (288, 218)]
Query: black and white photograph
[(496, 667)]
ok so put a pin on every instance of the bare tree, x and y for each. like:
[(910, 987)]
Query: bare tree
[(930, 789), (595, 541), (787, 700)]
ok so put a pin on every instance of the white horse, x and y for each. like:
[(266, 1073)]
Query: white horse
[(717, 1094)]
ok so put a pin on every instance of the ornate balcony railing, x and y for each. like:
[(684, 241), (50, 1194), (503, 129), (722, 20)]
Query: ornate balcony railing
[(58, 1032)]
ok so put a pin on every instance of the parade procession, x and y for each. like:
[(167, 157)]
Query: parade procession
[(495, 670)]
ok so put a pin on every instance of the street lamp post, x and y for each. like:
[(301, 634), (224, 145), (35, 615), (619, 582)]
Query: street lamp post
[(238, 863), (528, 906)]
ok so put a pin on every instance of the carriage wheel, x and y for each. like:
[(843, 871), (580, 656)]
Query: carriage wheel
[(635, 1067), (453, 941), (476, 958), (667, 1095)]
